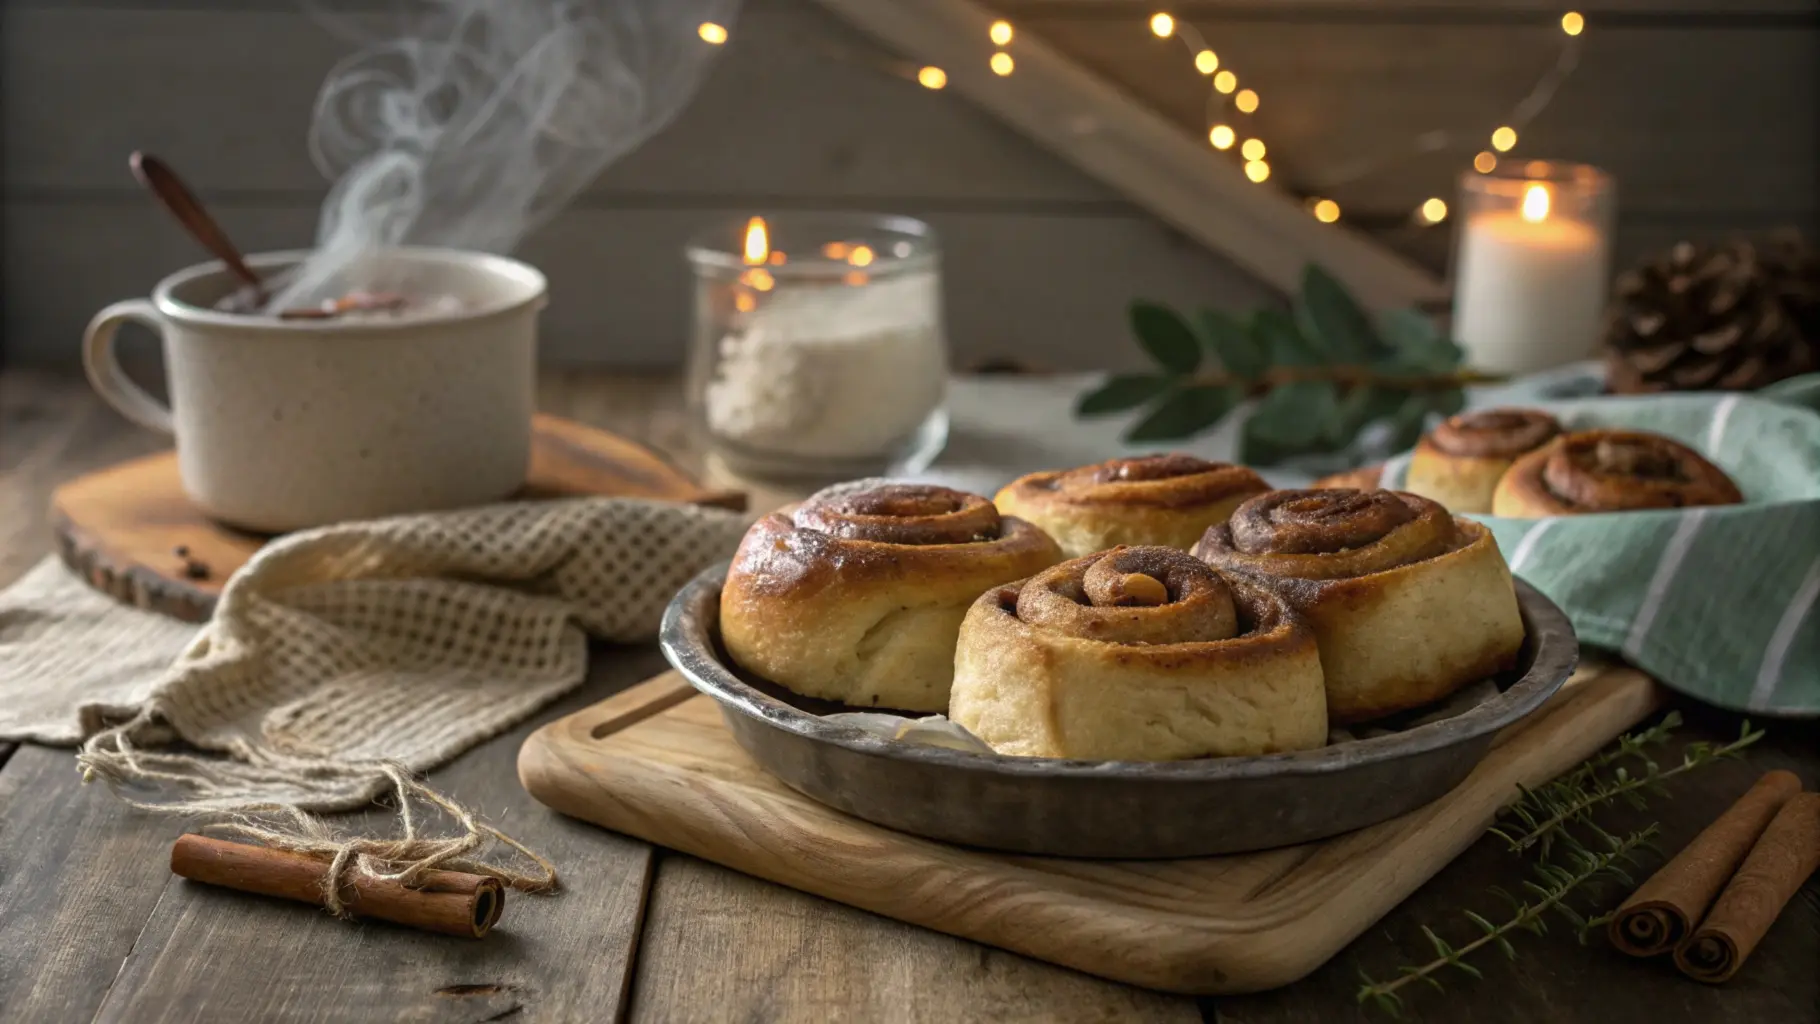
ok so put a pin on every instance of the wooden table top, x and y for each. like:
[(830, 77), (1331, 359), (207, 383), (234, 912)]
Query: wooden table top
[(94, 927)]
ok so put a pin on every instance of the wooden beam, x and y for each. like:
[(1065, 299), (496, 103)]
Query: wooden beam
[(1089, 122)]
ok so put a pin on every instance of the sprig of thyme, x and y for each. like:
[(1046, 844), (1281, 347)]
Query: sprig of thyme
[(1565, 864), (1547, 809), (1549, 892)]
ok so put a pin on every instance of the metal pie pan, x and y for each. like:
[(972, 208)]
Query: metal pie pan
[(1123, 809)]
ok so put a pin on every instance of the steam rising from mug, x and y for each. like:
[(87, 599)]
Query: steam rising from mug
[(484, 118)]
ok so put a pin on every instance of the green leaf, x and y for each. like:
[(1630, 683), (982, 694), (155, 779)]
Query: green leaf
[(1185, 413), (1417, 346), (1407, 421), (1366, 404), (1327, 311), (1235, 348), (1126, 391), (1166, 336), (1298, 414), (1282, 342), (1257, 448)]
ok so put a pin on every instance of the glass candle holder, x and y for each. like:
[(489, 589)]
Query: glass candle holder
[(817, 351), (1532, 264)]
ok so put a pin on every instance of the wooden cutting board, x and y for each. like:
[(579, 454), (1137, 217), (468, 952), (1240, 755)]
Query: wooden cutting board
[(130, 531), (656, 762)]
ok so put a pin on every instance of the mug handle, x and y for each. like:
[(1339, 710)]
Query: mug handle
[(103, 367)]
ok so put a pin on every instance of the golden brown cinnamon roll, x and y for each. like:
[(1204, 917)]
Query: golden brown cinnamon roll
[(1610, 471), (1407, 602), (1137, 654), (856, 594), (1460, 462), (1156, 499)]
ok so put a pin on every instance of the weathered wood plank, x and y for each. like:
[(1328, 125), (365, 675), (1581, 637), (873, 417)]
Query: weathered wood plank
[(719, 946), (211, 954), (237, 87), (1662, 109), (1554, 977), (1047, 287)]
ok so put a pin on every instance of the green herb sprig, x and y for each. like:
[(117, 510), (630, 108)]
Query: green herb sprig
[(1544, 820), (1321, 372)]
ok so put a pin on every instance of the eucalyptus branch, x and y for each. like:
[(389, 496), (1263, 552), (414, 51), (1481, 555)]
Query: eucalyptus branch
[(1556, 884), (1546, 810), (1345, 375)]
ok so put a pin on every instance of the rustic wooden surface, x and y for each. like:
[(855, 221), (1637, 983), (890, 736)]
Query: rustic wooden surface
[(649, 764), (92, 926), (1704, 112), (129, 530)]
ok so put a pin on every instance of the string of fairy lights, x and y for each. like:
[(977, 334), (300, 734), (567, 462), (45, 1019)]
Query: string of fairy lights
[(1230, 107)]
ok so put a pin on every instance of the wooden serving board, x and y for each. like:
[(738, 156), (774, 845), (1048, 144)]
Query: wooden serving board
[(656, 762), (121, 528)]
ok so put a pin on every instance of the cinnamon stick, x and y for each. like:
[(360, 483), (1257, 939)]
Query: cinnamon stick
[(449, 902), (1661, 913), (1775, 870)]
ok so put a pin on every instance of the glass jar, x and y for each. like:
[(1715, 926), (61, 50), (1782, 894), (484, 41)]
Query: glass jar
[(1532, 264), (817, 351)]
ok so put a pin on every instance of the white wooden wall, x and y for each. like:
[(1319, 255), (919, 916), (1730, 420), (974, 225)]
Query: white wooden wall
[(1709, 121)]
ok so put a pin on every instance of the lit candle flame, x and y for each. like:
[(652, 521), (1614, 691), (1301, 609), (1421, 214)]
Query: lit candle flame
[(1535, 203), (758, 241)]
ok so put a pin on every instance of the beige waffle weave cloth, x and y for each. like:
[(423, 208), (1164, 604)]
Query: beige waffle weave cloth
[(338, 651)]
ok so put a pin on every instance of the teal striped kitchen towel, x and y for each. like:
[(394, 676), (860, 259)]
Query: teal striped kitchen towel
[(1718, 603)]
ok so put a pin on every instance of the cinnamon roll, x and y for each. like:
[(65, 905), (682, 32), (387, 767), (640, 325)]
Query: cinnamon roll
[(1609, 470), (1157, 499), (1460, 462), (1364, 478), (1137, 654), (856, 594), (1407, 602)]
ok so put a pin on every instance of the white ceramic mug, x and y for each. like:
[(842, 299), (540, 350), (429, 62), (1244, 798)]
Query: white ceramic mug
[(284, 424)]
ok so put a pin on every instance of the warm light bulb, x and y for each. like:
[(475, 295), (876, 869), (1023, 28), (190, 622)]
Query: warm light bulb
[(1573, 23), (860, 256), (744, 302), (712, 33), (1225, 81), (1535, 203), (1221, 136), (932, 78), (1253, 149), (836, 250), (1257, 170), (758, 241), (856, 278), (1326, 211), (1246, 101), (1485, 162), (759, 278), (1162, 24), (1002, 64), (1206, 62), (1503, 139), (778, 258), (1000, 33), (1434, 211)]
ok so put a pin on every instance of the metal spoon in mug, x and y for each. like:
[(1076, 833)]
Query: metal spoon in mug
[(163, 182)]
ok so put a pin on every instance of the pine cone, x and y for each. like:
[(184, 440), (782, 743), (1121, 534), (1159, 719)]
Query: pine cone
[(1735, 316)]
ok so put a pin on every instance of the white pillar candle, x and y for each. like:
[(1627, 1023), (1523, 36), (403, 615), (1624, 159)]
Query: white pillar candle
[(1530, 285)]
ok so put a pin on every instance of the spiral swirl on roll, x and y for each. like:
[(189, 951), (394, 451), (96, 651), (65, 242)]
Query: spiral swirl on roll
[(1460, 462), (1329, 534), (1407, 602), (901, 514), (1138, 653), (857, 594), (1145, 595), (1608, 470), (1499, 433), (1163, 500)]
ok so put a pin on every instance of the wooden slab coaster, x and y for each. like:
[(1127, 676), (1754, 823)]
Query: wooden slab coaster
[(121, 528), (656, 762)]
